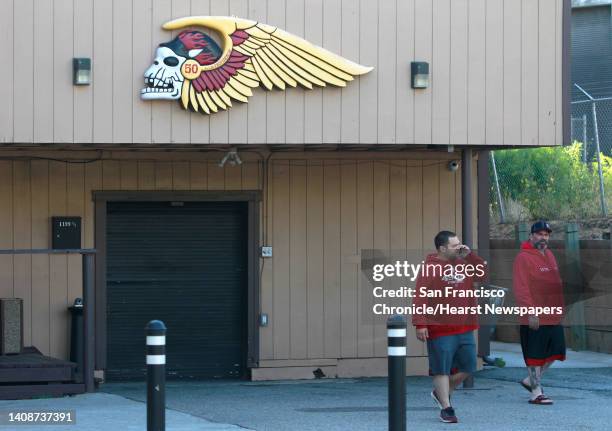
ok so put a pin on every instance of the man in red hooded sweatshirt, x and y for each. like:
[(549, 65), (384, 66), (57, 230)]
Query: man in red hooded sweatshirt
[(451, 347), (537, 283)]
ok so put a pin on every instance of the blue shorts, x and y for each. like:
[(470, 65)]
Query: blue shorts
[(449, 352)]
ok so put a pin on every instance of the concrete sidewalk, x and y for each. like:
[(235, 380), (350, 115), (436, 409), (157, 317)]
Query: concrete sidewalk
[(103, 412), (513, 356)]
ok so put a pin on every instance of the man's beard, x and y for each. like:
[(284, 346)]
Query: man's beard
[(541, 244)]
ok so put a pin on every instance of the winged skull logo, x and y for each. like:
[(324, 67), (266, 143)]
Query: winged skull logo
[(205, 77)]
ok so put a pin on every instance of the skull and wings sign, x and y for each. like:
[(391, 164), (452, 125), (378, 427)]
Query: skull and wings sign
[(205, 77)]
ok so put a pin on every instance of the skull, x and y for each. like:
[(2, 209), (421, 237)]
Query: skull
[(163, 79)]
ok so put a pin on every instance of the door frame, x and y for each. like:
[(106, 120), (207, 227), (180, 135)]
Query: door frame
[(252, 197)]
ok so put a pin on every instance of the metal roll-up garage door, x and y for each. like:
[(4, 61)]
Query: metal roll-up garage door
[(184, 263)]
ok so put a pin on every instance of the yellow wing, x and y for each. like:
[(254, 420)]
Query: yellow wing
[(254, 54)]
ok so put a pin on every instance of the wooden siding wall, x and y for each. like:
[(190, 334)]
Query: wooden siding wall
[(318, 213), (496, 72)]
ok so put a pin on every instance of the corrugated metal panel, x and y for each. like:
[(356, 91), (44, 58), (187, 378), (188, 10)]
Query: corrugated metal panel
[(592, 51), (184, 265)]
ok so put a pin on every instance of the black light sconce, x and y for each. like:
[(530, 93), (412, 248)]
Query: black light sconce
[(420, 74), (81, 71)]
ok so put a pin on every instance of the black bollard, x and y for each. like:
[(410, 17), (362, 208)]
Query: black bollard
[(76, 338), (396, 351), (156, 375)]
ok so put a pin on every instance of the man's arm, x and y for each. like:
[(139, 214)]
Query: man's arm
[(481, 265)]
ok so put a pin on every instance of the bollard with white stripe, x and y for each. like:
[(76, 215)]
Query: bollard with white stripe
[(396, 351), (156, 375)]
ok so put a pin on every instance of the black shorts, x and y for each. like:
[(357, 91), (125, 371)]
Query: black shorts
[(542, 345)]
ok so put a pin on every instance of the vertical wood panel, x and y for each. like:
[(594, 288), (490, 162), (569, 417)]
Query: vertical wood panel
[(447, 197), (512, 72), (275, 118), (161, 113), (332, 263), (495, 72), (102, 72), (423, 17), (547, 72), (180, 175), (22, 238), (350, 49), (42, 105), (216, 176), (294, 99), (146, 175), (398, 205), (6, 235), (163, 175), (298, 234), (23, 70), (459, 72), (349, 255), (313, 99), (477, 72), (83, 47), (93, 182), (219, 122), (58, 266), (200, 126), (441, 73), (387, 67), (129, 174), (251, 172), (44, 59), (233, 177), (414, 202), (238, 114), (257, 104), (75, 206), (368, 54), (41, 334), (414, 230), (198, 172), (315, 259), (404, 101), (365, 237), (7, 74), (142, 52), (267, 340), (111, 175), (458, 206), (63, 94), (332, 96), (281, 318), (431, 203), (382, 231)]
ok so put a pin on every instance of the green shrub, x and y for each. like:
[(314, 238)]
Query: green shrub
[(550, 182)]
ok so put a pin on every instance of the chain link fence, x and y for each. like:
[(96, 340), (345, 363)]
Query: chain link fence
[(561, 183)]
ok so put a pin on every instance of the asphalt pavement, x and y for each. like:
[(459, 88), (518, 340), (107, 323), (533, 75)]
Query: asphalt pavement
[(581, 388)]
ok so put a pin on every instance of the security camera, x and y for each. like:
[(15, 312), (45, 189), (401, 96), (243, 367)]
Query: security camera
[(453, 165)]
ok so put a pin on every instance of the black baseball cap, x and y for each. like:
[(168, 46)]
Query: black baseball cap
[(540, 225)]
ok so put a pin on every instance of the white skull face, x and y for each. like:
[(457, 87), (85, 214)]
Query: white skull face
[(163, 79)]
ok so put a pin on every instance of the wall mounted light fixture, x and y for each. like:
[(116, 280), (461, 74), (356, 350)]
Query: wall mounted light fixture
[(419, 74), (81, 71)]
